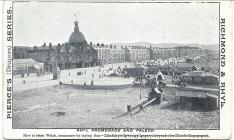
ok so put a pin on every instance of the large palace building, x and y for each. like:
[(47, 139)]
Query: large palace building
[(74, 54)]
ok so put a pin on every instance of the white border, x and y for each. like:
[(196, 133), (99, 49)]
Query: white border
[(225, 119)]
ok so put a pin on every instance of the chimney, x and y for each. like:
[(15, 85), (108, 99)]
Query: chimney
[(50, 45)]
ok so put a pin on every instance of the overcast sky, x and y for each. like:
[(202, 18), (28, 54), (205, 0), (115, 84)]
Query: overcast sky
[(39, 22)]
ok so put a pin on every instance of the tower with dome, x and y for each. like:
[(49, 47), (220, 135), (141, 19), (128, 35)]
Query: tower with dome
[(76, 53), (79, 54)]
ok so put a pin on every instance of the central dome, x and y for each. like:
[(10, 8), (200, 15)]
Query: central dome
[(76, 36)]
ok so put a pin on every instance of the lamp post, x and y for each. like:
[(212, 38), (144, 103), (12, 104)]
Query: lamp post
[(54, 66)]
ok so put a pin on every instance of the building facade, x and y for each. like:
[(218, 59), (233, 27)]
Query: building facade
[(187, 51), (137, 53), (74, 54), (168, 52), (117, 54), (77, 53), (109, 54), (103, 53), (20, 52)]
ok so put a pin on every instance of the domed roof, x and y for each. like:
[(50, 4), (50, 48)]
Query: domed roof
[(76, 36)]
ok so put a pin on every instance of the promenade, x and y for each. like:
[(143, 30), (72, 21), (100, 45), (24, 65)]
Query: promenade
[(69, 75)]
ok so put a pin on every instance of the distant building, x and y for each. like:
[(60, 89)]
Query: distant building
[(103, 53), (74, 54), (117, 55), (77, 53), (136, 53), (162, 53), (20, 52), (109, 54), (155, 53), (187, 51)]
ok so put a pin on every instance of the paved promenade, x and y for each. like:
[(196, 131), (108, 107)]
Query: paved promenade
[(89, 74)]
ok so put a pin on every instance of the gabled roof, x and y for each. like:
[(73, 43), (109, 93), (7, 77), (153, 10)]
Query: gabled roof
[(199, 74), (160, 73)]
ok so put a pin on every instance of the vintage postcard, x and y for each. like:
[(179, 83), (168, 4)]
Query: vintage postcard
[(116, 69)]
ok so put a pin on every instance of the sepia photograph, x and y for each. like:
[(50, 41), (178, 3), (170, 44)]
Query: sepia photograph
[(116, 65)]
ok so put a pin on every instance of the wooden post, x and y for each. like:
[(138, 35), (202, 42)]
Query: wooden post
[(207, 106), (129, 109), (27, 71), (140, 107), (60, 84), (179, 105)]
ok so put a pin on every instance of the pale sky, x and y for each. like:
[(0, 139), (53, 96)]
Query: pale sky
[(39, 22)]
